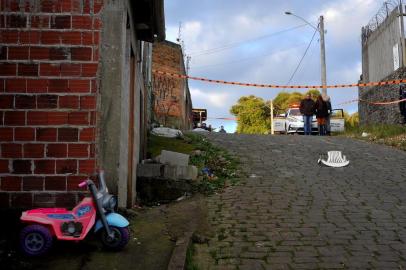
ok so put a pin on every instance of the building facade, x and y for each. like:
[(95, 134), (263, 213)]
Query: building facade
[(74, 82), (383, 58), (172, 103)]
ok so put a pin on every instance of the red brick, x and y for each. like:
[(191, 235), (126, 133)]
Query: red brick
[(96, 55), (87, 166), (72, 38), (21, 200), (78, 118), (81, 53), (97, 6), (24, 134), (47, 118), (74, 181), (18, 53), (29, 37), (16, 85), (16, 21), (87, 38), (78, 150), (51, 6), (55, 183), (97, 23), (68, 102), (59, 150), (82, 22), (44, 200), (40, 21), (92, 152), (79, 86), (3, 53), (9, 36), (87, 135), (46, 134), (6, 101), (67, 200), (10, 183), (50, 37), (25, 102), (33, 150), (11, 150), (58, 86), (96, 37), (4, 166), (93, 117), (88, 102), (89, 70), (33, 183), (87, 7), (47, 101), (8, 69), (37, 86), (66, 5), (44, 166), (72, 70), (37, 118), (66, 166), (77, 6), (68, 135), (61, 22), (6, 134), (22, 166), (39, 53), (28, 69), (46, 69), (14, 5), (58, 53), (16, 118)]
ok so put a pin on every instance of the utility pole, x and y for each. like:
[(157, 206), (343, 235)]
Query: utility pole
[(323, 56), (272, 124)]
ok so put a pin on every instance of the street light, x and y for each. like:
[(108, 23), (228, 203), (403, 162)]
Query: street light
[(320, 29)]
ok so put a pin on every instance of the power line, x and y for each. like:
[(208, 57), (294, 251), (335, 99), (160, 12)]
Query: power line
[(248, 58), (301, 60), (235, 44)]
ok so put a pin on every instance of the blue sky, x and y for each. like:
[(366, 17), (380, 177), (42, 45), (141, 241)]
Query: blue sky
[(246, 41)]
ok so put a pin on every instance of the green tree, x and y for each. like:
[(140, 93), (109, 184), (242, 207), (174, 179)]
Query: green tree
[(253, 115)]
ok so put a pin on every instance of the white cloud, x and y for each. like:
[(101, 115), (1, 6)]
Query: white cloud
[(218, 100)]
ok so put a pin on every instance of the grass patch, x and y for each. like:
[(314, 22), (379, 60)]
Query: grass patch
[(190, 265), (393, 135), (156, 144)]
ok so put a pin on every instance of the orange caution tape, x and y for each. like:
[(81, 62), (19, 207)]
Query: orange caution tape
[(181, 76), (374, 103)]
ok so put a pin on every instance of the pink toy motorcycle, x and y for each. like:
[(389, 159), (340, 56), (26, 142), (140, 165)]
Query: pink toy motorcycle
[(95, 212)]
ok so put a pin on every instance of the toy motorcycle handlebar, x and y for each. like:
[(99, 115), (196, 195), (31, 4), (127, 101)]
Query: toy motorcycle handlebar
[(103, 187), (82, 184)]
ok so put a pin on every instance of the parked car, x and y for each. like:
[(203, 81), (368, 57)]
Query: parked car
[(292, 122)]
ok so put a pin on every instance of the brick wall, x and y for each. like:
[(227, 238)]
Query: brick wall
[(382, 114), (49, 57), (169, 98)]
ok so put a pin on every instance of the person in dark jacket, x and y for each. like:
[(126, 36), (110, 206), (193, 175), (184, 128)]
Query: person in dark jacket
[(322, 113), (307, 110), (326, 98)]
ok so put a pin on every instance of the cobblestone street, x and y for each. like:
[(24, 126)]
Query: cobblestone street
[(291, 213)]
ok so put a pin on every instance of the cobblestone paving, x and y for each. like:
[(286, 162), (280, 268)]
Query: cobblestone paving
[(291, 213)]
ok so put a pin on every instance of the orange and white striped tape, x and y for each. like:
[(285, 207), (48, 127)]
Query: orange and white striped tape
[(374, 103), (181, 76)]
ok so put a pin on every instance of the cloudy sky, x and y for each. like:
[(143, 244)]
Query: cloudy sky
[(254, 41)]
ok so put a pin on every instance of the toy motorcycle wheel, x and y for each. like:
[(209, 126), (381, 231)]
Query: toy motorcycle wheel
[(121, 237), (35, 240)]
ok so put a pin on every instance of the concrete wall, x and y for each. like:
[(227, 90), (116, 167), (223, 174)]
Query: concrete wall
[(388, 114), (377, 48)]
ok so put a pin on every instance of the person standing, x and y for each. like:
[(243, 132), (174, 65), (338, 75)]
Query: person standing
[(222, 130), (307, 110), (321, 115), (326, 99)]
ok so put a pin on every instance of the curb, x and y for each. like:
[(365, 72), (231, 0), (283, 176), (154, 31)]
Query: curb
[(178, 257)]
